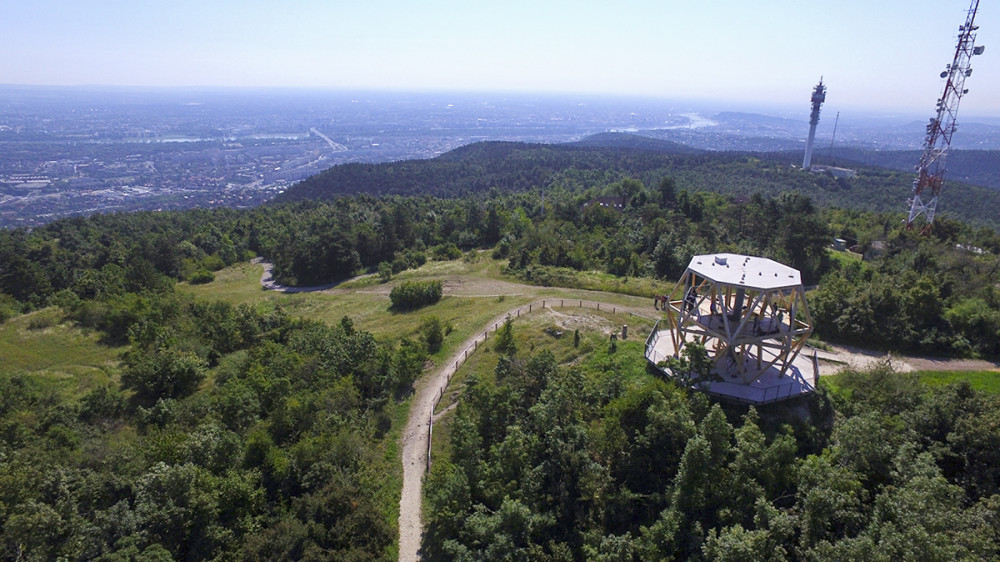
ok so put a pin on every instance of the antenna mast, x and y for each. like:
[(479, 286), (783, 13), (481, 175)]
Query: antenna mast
[(930, 170), (835, 122)]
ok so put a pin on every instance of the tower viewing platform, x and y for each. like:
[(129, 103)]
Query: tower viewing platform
[(751, 316)]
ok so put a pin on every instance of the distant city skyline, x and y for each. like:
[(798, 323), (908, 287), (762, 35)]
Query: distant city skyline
[(881, 56)]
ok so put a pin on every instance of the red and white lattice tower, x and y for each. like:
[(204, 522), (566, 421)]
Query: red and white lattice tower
[(930, 170)]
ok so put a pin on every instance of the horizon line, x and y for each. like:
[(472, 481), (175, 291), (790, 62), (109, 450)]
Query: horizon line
[(790, 106)]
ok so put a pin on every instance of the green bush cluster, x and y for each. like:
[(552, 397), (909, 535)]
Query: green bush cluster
[(923, 294), (410, 295), (446, 252)]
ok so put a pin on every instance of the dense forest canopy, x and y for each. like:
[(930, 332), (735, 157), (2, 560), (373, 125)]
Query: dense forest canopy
[(933, 292), (593, 458), (242, 432), (883, 183), (976, 167), (278, 457)]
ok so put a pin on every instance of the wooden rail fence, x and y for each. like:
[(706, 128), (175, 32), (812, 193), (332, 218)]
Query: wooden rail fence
[(463, 355)]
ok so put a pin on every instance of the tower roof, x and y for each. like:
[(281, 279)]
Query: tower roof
[(746, 271)]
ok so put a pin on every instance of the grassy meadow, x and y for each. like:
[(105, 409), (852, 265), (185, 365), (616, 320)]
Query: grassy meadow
[(67, 360), (475, 294)]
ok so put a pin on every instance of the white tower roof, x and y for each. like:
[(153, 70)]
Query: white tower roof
[(747, 271)]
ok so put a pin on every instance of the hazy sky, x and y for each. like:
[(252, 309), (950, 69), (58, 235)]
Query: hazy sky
[(877, 54)]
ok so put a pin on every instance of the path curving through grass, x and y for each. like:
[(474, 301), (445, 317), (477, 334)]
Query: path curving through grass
[(416, 436)]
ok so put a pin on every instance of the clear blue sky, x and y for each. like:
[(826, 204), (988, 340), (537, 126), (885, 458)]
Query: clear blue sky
[(873, 54)]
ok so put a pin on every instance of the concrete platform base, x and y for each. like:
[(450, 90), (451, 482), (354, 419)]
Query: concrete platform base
[(799, 379)]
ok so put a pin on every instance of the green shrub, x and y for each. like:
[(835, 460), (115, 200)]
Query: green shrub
[(432, 332), (409, 259), (385, 272), (9, 307), (446, 252), (505, 338), (104, 404), (201, 277), (213, 263), (164, 374), (409, 295)]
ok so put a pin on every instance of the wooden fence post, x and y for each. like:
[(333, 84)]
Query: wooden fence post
[(430, 435)]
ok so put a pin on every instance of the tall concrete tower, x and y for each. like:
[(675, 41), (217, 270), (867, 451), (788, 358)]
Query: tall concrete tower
[(818, 97)]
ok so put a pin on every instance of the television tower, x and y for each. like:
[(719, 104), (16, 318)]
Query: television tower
[(818, 97), (930, 170)]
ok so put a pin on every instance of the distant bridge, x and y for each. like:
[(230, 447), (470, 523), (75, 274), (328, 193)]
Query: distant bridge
[(336, 146)]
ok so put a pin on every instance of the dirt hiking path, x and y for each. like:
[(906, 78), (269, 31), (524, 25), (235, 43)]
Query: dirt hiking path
[(416, 434), (416, 439)]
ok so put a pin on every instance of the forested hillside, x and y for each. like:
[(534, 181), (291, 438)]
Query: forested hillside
[(221, 432), (560, 454), (479, 167), (246, 431), (975, 167), (599, 161)]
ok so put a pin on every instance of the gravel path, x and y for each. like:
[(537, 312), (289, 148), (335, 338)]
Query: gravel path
[(415, 441), (840, 356)]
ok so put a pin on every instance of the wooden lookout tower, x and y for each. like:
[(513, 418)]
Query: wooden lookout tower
[(751, 316)]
